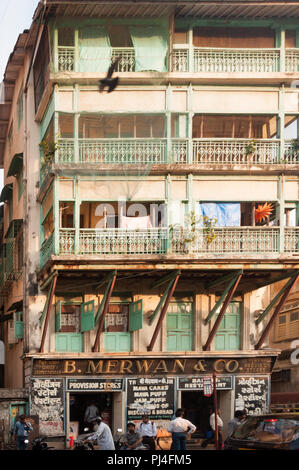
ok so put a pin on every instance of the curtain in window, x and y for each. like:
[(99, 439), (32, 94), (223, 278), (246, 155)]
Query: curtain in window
[(94, 49), (228, 214), (150, 46)]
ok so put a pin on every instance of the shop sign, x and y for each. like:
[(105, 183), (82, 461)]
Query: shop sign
[(197, 383), (153, 366), (251, 394), (153, 396), (47, 402), (95, 385)]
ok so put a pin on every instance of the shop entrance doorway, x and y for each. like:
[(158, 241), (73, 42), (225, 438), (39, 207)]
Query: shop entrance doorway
[(79, 403), (197, 409)]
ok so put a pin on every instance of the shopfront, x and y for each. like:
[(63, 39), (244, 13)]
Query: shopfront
[(125, 388)]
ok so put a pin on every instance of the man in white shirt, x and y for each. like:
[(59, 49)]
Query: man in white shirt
[(179, 427), (148, 431), (103, 435), (220, 427)]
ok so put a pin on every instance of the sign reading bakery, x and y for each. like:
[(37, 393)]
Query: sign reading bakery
[(152, 366)]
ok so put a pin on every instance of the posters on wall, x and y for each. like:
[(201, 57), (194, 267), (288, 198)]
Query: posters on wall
[(47, 402), (251, 394)]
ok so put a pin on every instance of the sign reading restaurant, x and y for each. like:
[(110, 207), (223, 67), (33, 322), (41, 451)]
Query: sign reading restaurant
[(152, 366)]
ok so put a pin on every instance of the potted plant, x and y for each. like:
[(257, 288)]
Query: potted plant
[(250, 148)]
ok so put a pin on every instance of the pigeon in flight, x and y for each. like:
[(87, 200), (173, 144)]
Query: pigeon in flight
[(110, 82)]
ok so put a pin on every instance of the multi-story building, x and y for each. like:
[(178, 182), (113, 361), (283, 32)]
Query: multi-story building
[(154, 218)]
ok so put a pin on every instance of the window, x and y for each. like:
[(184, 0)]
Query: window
[(287, 325)]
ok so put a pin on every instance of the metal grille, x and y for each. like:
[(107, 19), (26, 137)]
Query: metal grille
[(127, 58), (292, 60), (66, 59)]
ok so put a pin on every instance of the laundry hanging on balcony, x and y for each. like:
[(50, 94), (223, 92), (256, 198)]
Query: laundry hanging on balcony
[(94, 49), (227, 214), (134, 223), (150, 44)]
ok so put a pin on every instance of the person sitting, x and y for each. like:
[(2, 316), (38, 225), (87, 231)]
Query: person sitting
[(132, 439)]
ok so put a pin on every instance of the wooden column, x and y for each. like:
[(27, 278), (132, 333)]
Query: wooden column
[(41, 350), (276, 313), (163, 313), (222, 312), (102, 319)]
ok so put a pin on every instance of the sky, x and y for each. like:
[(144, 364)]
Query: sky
[(15, 16)]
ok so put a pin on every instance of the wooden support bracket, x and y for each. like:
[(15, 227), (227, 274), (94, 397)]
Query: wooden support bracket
[(105, 309), (50, 300), (222, 312), (163, 312), (276, 312)]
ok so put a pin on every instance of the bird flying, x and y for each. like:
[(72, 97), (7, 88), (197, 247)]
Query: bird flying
[(108, 81)]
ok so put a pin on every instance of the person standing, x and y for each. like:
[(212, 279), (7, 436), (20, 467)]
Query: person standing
[(91, 413), (148, 432), (21, 432), (240, 416), (179, 428), (220, 427), (102, 435)]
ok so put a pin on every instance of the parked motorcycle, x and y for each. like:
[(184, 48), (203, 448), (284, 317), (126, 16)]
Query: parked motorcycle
[(39, 443)]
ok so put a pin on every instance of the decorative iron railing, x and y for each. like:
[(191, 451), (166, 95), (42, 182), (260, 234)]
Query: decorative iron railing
[(47, 249), (160, 151), (127, 58), (291, 237), (234, 151), (219, 60), (228, 240), (291, 151), (66, 59), (292, 60), (122, 241), (124, 151)]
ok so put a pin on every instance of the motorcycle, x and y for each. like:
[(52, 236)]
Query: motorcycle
[(39, 443), (80, 442)]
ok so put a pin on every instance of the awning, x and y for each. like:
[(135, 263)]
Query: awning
[(16, 306), (16, 165), (6, 193), (14, 228), (7, 317)]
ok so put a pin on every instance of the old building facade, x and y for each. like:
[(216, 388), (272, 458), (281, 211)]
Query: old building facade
[(154, 218)]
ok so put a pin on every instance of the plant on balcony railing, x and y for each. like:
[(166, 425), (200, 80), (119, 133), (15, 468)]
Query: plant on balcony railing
[(188, 235), (251, 148), (48, 149)]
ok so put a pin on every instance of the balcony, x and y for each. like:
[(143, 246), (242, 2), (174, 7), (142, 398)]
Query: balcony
[(229, 241), (218, 60), (151, 151)]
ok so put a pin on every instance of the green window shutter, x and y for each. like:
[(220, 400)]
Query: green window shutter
[(135, 315), (19, 325), (87, 316), (58, 316)]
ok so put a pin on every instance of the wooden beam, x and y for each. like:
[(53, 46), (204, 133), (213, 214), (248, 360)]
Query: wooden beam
[(221, 280), (222, 312), (276, 312), (163, 313), (273, 301), (168, 277), (102, 319), (161, 302), (53, 286), (106, 278)]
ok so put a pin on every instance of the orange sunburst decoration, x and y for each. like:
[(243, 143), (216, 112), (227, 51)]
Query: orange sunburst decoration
[(263, 211)]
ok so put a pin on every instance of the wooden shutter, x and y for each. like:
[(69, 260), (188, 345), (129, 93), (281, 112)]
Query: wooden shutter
[(19, 325), (87, 316), (136, 315)]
